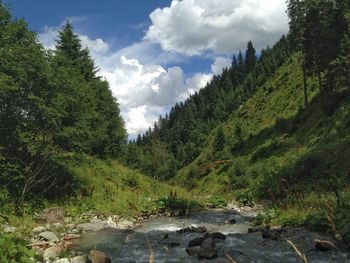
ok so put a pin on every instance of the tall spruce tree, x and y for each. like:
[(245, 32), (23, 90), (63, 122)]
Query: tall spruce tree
[(69, 45), (250, 57), (296, 14)]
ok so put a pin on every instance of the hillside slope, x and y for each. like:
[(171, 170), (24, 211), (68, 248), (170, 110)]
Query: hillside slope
[(272, 149)]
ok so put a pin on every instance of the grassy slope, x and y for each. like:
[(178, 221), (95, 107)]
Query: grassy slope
[(115, 189), (102, 187), (285, 154)]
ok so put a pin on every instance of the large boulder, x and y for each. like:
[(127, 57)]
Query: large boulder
[(207, 253), (217, 236), (52, 215), (196, 242), (99, 257)]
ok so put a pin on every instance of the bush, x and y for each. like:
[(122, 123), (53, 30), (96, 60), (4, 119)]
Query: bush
[(175, 206), (266, 217), (317, 221), (244, 198), (217, 201), (13, 250)]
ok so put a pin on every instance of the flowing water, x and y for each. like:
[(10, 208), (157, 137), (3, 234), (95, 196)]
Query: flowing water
[(160, 238)]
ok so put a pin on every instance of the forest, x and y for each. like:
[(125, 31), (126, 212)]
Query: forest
[(273, 128)]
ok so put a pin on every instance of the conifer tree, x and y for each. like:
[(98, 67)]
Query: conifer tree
[(69, 45), (250, 57)]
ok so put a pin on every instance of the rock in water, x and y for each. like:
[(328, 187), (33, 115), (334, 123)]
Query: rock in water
[(99, 257), (198, 229), (230, 222), (208, 243), (324, 245), (207, 253), (269, 234), (256, 229), (217, 236), (196, 242)]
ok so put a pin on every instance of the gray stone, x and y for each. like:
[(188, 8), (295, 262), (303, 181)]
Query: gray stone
[(208, 243), (51, 253), (62, 260), (196, 242), (39, 229), (124, 224), (90, 227), (10, 229), (270, 234), (207, 253), (99, 257), (217, 236), (79, 259), (48, 236)]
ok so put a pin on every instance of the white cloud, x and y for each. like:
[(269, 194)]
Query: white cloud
[(145, 91), (192, 27), (219, 64)]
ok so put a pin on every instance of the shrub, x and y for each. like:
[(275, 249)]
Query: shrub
[(317, 221), (244, 198), (217, 201), (13, 250)]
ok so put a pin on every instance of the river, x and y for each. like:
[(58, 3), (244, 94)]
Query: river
[(163, 240)]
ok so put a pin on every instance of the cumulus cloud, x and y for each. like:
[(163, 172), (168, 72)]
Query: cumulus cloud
[(145, 91), (192, 27)]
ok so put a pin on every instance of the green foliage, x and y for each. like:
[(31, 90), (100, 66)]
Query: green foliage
[(318, 221), (217, 201), (244, 198), (176, 206), (265, 218), (14, 250), (55, 105), (182, 133)]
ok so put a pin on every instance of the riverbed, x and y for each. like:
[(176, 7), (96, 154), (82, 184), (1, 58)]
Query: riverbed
[(167, 239)]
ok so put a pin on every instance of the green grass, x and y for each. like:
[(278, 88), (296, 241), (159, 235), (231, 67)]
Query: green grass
[(108, 187)]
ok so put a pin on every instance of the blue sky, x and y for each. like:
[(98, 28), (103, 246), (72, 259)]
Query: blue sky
[(155, 53)]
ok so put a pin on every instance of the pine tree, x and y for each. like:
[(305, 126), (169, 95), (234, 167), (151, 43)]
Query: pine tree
[(296, 13), (69, 45), (250, 57)]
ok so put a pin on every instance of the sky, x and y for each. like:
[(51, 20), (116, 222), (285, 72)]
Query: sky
[(155, 53)]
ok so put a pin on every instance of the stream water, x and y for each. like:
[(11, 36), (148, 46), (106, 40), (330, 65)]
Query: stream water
[(167, 244)]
